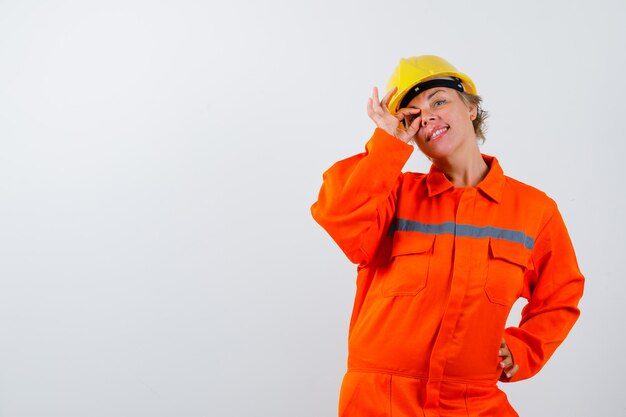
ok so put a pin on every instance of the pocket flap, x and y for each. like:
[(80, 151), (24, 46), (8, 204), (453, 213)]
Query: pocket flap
[(406, 243), (509, 251)]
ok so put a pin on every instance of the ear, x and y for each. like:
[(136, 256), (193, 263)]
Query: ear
[(473, 112)]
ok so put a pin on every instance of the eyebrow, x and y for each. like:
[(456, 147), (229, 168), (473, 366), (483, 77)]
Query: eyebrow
[(433, 93), (428, 97)]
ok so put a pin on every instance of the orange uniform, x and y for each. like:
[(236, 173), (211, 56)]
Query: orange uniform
[(439, 268)]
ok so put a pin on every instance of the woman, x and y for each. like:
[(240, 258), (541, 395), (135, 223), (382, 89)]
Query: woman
[(442, 257)]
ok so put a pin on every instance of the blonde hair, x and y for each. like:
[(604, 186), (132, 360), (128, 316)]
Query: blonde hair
[(480, 125)]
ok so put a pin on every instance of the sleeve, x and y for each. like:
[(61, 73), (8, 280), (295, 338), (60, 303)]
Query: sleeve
[(555, 285), (356, 203)]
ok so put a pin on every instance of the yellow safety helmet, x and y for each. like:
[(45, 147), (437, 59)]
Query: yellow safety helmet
[(419, 69)]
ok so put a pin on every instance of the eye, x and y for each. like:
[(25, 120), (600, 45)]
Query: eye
[(410, 118), (438, 103)]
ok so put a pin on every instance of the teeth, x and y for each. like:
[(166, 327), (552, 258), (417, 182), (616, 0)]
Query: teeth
[(438, 132)]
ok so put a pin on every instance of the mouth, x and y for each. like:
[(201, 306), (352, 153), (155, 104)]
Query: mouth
[(437, 133)]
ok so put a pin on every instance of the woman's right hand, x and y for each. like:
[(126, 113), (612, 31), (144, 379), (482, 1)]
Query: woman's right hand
[(390, 123)]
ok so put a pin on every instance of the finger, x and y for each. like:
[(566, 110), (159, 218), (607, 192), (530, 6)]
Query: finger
[(414, 127), (407, 117), (506, 363), (504, 349), (405, 114), (407, 111), (375, 95), (371, 110), (376, 105), (374, 112), (387, 98), (512, 371)]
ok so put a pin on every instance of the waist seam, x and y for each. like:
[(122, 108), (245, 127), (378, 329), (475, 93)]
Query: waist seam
[(423, 377)]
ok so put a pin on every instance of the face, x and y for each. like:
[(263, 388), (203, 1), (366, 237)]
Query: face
[(446, 128)]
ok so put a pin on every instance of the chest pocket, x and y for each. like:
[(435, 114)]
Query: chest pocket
[(407, 271), (508, 262)]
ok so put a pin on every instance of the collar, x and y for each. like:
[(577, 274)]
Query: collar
[(492, 185)]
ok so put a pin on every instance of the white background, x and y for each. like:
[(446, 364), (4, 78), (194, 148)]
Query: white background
[(157, 164)]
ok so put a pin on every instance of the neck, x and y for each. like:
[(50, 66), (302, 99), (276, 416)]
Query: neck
[(464, 171)]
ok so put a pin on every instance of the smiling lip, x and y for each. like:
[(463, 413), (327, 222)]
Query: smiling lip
[(437, 132)]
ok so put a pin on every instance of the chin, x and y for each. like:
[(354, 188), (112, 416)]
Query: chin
[(436, 152)]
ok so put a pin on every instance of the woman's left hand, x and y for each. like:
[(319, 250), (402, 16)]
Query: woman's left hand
[(509, 368)]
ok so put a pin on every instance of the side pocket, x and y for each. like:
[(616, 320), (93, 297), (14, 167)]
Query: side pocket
[(505, 276), (365, 394), (407, 272)]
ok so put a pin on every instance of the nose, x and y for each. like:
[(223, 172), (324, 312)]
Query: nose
[(426, 117)]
